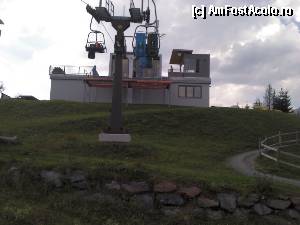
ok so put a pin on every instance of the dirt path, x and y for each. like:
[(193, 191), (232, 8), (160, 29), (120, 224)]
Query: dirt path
[(245, 163)]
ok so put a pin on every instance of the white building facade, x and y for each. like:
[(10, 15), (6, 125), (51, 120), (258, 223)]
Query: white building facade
[(187, 85)]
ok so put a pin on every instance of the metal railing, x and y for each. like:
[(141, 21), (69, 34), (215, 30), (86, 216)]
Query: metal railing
[(276, 144), (71, 70)]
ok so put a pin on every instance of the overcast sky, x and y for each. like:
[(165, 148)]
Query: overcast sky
[(247, 52)]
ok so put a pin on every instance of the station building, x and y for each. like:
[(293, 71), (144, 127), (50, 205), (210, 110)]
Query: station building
[(187, 84)]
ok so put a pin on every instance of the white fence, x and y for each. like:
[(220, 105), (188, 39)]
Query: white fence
[(276, 144)]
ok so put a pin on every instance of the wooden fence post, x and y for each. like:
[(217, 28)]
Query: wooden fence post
[(259, 147), (278, 148), (279, 139)]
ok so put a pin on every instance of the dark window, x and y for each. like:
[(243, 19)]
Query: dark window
[(198, 66)]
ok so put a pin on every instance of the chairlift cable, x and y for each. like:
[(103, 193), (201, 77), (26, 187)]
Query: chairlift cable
[(84, 2), (110, 37)]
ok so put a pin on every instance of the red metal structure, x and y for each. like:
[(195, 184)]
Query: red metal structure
[(106, 82)]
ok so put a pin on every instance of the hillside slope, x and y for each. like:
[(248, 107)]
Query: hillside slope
[(186, 145)]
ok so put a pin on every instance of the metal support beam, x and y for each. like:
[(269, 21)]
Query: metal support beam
[(120, 51)]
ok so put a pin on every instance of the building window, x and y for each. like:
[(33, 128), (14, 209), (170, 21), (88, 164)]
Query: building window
[(181, 91), (189, 91), (198, 92)]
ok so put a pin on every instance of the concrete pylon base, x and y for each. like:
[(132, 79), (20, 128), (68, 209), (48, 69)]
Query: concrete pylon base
[(114, 138)]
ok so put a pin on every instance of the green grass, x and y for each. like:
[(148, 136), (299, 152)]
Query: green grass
[(271, 167), (187, 145)]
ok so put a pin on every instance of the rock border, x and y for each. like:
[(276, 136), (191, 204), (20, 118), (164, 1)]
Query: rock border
[(171, 198)]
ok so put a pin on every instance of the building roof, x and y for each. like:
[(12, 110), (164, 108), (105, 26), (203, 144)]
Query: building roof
[(178, 55)]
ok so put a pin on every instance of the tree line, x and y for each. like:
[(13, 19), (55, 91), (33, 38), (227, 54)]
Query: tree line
[(274, 100)]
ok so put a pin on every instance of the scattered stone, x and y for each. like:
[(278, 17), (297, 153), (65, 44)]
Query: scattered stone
[(198, 212), (9, 140), (145, 201), (113, 186), (296, 201), (81, 193), (278, 204), (278, 220), (99, 197), (294, 214), (214, 214), (241, 213), (136, 187), (207, 203), (52, 178), (170, 199), (82, 185), (14, 175), (248, 201), (165, 187), (228, 202), (262, 209), (77, 177), (283, 197), (78, 180), (190, 192), (12, 169), (171, 212)]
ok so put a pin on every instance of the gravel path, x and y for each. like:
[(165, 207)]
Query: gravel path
[(245, 163)]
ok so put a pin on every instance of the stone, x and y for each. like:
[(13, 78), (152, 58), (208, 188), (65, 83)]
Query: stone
[(52, 178), (114, 138), (14, 175), (171, 212), (8, 140), (136, 187), (170, 199), (228, 202), (294, 214), (78, 180), (113, 186), (214, 214), (80, 185), (283, 197), (296, 201), (165, 187), (198, 212), (279, 204), (77, 176), (145, 201), (248, 201), (278, 220), (262, 209), (190, 192), (99, 197), (241, 213), (204, 202)]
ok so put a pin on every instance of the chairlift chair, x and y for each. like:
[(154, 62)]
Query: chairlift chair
[(95, 44)]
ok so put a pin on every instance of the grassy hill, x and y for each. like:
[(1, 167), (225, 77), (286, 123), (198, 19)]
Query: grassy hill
[(187, 145)]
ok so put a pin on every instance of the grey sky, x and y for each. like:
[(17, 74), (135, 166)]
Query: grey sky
[(247, 52)]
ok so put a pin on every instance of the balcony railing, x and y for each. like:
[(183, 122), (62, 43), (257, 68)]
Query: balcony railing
[(185, 73), (71, 70)]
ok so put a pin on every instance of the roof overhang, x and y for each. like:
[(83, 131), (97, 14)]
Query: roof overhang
[(177, 56), (128, 83)]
